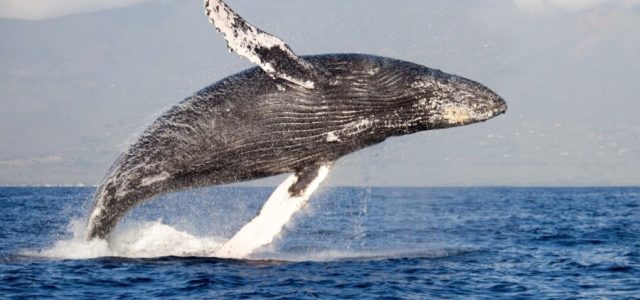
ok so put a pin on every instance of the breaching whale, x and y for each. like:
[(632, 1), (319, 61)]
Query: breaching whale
[(291, 114)]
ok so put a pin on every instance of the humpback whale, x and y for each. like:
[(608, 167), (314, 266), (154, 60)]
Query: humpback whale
[(290, 114)]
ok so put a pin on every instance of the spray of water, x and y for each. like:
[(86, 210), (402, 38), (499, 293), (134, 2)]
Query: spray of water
[(137, 240), (151, 239)]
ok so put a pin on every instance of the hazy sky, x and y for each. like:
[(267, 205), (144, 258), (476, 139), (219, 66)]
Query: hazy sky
[(79, 82)]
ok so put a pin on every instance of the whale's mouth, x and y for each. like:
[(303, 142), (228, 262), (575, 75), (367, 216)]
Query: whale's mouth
[(497, 107), (501, 108)]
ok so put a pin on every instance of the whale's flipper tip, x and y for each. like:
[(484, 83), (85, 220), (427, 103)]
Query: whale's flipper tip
[(272, 54)]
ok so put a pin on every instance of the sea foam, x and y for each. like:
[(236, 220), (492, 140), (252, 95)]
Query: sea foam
[(146, 239)]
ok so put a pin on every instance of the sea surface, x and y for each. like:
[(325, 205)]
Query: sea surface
[(355, 243)]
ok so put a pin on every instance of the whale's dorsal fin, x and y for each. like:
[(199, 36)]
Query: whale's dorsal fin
[(267, 51)]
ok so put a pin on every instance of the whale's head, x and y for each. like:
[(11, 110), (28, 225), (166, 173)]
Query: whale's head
[(394, 97), (442, 100), (399, 97)]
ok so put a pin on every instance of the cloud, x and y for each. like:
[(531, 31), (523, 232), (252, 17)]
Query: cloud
[(47, 9), (546, 6), (42, 160)]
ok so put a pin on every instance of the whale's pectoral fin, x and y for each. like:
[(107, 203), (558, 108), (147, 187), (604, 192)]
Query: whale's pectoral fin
[(267, 51), (275, 213)]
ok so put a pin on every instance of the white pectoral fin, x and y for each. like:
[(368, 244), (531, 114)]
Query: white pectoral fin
[(267, 51), (274, 215)]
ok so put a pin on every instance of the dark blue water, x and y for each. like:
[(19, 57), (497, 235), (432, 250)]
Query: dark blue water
[(359, 243)]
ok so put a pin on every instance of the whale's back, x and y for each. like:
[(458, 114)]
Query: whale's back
[(250, 125)]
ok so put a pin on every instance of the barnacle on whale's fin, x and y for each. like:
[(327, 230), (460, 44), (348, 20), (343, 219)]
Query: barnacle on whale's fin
[(267, 51)]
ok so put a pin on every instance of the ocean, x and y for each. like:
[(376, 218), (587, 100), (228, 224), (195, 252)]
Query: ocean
[(353, 243)]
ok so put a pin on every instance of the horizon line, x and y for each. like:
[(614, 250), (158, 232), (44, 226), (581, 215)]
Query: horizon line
[(340, 186)]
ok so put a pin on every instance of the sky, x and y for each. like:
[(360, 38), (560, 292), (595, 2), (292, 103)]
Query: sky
[(79, 83)]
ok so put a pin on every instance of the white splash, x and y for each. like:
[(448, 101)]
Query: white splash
[(155, 239), (369, 255), (273, 216), (138, 240)]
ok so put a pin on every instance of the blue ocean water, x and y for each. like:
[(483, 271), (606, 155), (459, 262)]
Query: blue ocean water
[(484, 243)]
